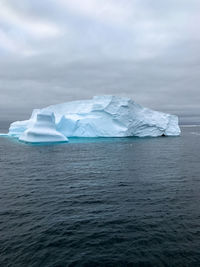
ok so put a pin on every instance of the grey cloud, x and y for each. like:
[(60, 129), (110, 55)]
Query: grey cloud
[(152, 56)]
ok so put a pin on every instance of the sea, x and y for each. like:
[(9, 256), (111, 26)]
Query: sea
[(101, 202)]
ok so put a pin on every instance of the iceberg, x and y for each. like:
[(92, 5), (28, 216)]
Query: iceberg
[(101, 116), (42, 130)]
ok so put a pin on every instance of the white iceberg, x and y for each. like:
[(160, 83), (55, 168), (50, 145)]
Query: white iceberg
[(42, 130), (102, 116)]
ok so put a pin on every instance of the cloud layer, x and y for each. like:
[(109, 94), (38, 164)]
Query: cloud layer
[(54, 51)]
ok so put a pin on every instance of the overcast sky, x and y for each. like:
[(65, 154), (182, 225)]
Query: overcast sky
[(54, 51)]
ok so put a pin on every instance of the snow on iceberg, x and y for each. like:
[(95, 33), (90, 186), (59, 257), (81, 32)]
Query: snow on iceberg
[(42, 130), (102, 116)]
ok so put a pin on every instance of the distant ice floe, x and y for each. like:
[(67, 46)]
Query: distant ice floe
[(3, 134), (102, 116), (190, 125)]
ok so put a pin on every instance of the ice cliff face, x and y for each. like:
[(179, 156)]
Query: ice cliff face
[(102, 116)]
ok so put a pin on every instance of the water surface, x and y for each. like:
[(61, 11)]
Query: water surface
[(110, 202)]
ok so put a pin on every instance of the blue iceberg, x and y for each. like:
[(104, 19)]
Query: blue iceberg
[(43, 130), (101, 116)]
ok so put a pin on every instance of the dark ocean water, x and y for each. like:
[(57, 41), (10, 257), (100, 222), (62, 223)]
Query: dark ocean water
[(110, 202)]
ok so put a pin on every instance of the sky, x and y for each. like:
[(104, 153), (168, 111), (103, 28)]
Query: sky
[(54, 51)]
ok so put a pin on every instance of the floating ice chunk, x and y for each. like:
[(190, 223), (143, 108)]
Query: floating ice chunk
[(102, 116), (3, 134), (43, 130)]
